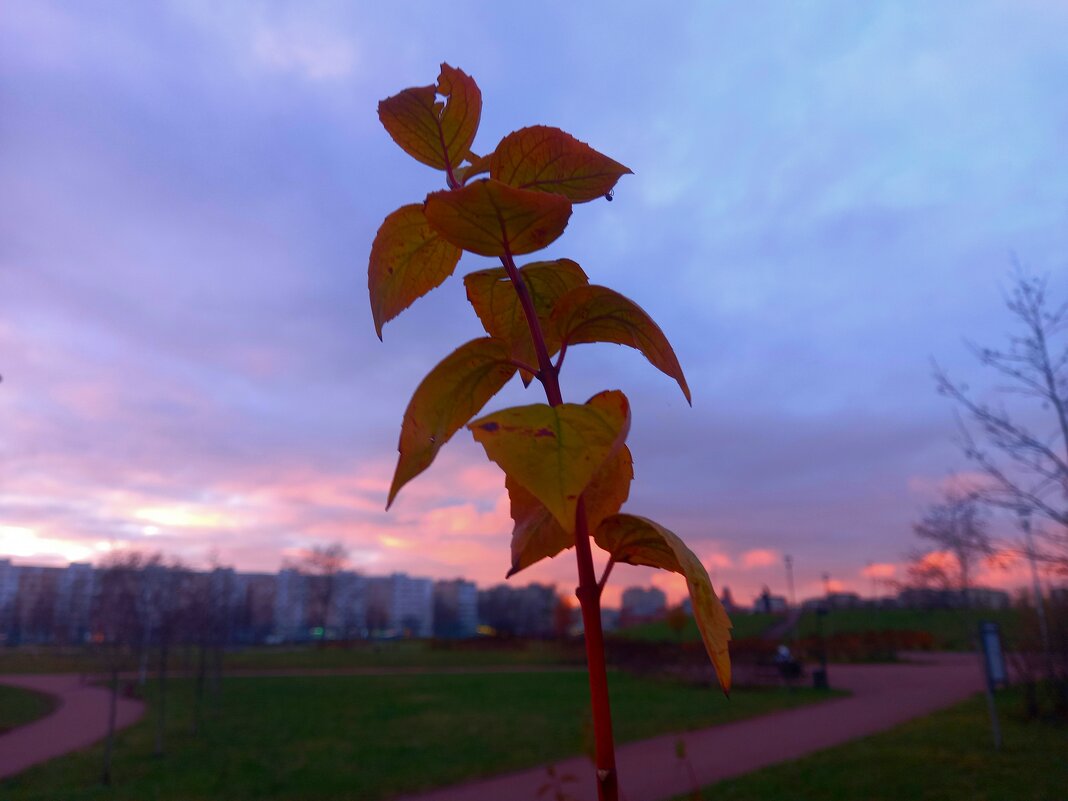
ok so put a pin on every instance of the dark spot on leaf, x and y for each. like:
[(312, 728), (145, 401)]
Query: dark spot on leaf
[(489, 427), (544, 432)]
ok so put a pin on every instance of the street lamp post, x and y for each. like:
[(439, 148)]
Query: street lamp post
[(789, 560), (819, 676)]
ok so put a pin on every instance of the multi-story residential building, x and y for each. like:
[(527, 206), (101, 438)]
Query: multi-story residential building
[(290, 600), (347, 614), (254, 606), (9, 593), (35, 606), (518, 611), (642, 603), (399, 605), (148, 600), (74, 602), (455, 608)]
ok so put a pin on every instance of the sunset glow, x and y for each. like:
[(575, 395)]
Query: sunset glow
[(189, 360)]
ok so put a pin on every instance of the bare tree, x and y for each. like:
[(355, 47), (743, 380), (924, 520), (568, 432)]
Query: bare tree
[(322, 564), (198, 630), (954, 526), (1024, 453), (118, 626), (169, 609)]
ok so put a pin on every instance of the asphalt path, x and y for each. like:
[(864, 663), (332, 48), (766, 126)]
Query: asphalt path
[(79, 720)]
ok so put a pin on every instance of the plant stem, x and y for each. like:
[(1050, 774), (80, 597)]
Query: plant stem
[(589, 590)]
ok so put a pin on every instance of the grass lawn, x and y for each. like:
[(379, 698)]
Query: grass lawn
[(368, 654), (368, 737), (402, 653), (948, 756), (18, 706), (952, 629), (752, 625)]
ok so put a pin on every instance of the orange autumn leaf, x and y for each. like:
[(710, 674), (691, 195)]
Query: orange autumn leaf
[(435, 133), (498, 308), (408, 259), (554, 452), (598, 314), (450, 395), (549, 160), (493, 219), (480, 165), (636, 540)]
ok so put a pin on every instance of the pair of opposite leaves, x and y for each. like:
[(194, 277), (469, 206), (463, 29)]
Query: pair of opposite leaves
[(535, 175)]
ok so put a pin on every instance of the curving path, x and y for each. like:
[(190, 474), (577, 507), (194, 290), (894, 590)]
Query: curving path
[(883, 696), (79, 720)]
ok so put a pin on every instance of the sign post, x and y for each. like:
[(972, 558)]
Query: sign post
[(994, 668)]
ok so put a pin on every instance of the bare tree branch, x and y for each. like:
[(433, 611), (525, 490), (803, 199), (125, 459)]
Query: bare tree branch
[(1027, 470)]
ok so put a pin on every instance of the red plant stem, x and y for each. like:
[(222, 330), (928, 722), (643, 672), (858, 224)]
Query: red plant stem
[(589, 590)]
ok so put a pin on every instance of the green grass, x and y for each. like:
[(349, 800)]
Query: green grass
[(402, 653), (18, 706), (658, 630), (384, 655), (44, 659), (948, 756), (369, 737), (952, 629)]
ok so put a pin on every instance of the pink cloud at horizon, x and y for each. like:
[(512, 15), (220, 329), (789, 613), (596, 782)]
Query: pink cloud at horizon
[(880, 571), (760, 557)]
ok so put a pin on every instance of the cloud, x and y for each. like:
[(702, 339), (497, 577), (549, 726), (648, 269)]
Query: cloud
[(187, 330), (759, 557), (314, 55), (881, 571)]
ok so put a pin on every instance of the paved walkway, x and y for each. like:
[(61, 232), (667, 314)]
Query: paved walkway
[(883, 696), (80, 720)]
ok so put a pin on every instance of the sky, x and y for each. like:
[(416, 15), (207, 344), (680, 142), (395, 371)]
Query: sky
[(825, 197)]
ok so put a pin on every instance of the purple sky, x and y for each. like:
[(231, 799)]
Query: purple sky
[(824, 198)]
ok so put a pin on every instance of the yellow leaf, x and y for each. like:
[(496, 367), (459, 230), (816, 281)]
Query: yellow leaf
[(408, 259), (437, 134), (493, 219), (450, 395), (554, 452), (497, 304), (536, 534), (550, 160), (635, 540), (598, 314)]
